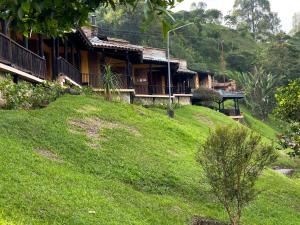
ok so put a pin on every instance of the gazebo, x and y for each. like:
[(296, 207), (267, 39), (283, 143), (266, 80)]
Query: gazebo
[(229, 95)]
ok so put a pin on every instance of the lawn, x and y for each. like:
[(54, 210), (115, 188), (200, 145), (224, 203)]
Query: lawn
[(85, 161)]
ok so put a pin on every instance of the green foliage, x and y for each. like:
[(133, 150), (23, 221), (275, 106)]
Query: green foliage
[(15, 95), (259, 89), (241, 61), (87, 90), (54, 18), (257, 16), (281, 58), (206, 97), (24, 95), (199, 43), (288, 101), (43, 94), (288, 109), (110, 83), (233, 159)]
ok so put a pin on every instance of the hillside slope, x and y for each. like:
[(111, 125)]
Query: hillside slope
[(86, 161)]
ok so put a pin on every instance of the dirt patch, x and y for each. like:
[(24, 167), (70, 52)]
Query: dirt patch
[(48, 154), (87, 109), (93, 126), (173, 152), (206, 221), (205, 120)]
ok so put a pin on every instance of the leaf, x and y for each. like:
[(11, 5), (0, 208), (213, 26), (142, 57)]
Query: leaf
[(25, 6), (20, 13)]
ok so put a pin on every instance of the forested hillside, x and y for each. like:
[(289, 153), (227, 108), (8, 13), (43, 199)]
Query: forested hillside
[(202, 43)]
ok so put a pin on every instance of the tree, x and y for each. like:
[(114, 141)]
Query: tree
[(296, 23), (258, 17), (288, 109), (233, 158), (231, 21), (55, 18), (281, 58), (214, 16), (259, 89), (288, 100)]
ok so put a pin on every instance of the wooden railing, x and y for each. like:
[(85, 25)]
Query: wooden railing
[(17, 56), (67, 69), (96, 80), (160, 90)]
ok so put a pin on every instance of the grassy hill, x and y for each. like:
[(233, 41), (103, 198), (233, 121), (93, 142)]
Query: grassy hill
[(86, 161)]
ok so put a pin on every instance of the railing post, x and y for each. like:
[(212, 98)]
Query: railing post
[(10, 51)]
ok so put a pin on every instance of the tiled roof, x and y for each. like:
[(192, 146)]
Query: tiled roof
[(113, 44), (230, 94), (157, 55), (186, 71)]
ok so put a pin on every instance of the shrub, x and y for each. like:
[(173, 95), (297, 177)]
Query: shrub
[(259, 88), (24, 95), (232, 159), (15, 95), (43, 94), (206, 97), (110, 83)]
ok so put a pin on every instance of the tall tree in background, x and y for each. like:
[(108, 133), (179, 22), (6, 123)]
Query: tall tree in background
[(258, 17), (296, 23)]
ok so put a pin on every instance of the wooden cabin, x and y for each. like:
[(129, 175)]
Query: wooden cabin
[(81, 56)]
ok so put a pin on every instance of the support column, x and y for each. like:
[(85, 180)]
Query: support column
[(78, 59), (4, 27), (129, 72), (66, 49), (25, 42), (54, 59), (150, 81), (72, 54), (41, 46)]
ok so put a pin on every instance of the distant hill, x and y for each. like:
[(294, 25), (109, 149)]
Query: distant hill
[(201, 43)]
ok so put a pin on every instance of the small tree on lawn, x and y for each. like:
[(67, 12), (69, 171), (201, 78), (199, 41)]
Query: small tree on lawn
[(110, 83), (232, 159)]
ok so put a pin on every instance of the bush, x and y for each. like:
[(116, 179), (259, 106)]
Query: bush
[(232, 159), (24, 95), (16, 96), (206, 97), (43, 94)]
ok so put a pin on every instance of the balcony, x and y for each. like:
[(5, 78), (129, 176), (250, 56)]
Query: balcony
[(16, 56)]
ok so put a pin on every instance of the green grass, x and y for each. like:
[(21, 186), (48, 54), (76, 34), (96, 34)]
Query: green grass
[(142, 170)]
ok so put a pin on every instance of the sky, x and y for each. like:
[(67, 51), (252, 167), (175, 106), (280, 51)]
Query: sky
[(284, 8)]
